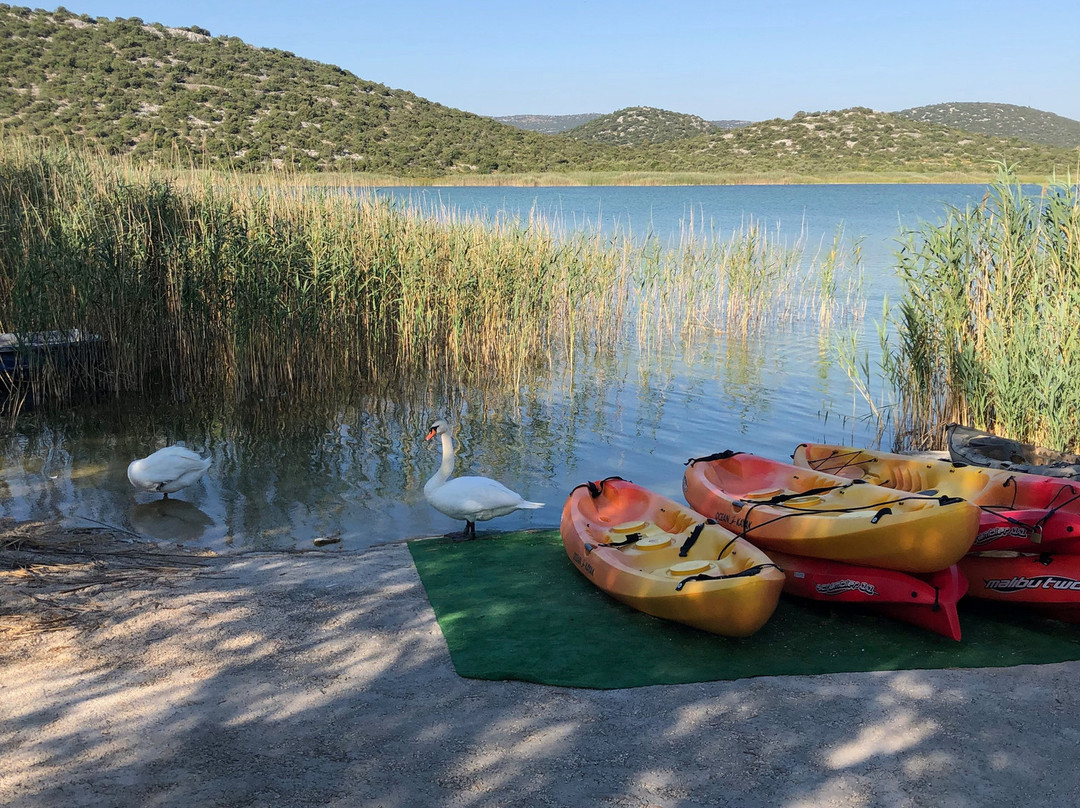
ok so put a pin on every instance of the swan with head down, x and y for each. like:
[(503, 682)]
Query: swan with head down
[(167, 470), (472, 499)]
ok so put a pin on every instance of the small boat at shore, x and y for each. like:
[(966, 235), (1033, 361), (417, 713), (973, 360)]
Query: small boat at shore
[(1026, 512), (927, 600), (1044, 583), (978, 448), (662, 558), (24, 352), (796, 510)]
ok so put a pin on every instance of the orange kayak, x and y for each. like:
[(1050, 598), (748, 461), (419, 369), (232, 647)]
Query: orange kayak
[(662, 558), (1026, 512), (927, 600), (792, 509)]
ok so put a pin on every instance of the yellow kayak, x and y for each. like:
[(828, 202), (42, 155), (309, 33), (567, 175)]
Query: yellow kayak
[(791, 509), (661, 558), (1026, 512)]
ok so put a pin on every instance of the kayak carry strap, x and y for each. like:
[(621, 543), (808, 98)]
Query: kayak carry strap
[(724, 455), (746, 573), (597, 488), (691, 540)]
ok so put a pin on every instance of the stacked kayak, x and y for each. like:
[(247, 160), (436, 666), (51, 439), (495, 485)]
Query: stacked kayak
[(1018, 511), (668, 561), (843, 540), (1047, 583), (927, 600), (796, 510), (1027, 549)]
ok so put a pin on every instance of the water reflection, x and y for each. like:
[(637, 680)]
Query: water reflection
[(283, 475), (170, 519)]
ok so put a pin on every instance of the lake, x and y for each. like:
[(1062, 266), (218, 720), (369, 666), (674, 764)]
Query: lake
[(356, 470)]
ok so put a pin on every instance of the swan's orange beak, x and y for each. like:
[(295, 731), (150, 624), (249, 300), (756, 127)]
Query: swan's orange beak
[(431, 434)]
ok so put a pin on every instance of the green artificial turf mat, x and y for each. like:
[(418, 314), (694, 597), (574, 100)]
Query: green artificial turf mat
[(513, 606)]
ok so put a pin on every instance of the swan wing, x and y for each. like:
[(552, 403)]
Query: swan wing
[(170, 464), (476, 498)]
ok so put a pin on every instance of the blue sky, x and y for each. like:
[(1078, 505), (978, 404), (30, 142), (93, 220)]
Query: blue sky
[(719, 60)]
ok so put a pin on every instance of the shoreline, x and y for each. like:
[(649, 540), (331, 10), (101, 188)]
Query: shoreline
[(622, 179), (324, 679)]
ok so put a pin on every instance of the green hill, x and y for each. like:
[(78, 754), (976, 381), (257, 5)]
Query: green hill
[(857, 140), (637, 126), (549, 124), (1001, 120), (145, 89)]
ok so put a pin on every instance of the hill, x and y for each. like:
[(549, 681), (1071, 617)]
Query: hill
[(637, 126), (555, 124), (149, 91), (549, 124), (1001, 120), (144, 89), (857, 140)]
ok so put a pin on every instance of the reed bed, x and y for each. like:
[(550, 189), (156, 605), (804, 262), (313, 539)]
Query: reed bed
[(745, 284), (211, 286), (986, 333)]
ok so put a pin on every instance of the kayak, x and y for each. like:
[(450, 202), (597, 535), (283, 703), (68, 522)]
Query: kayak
[(1018, 511), (662, 558), (1046, 583), (927, 600), (978, 448), (793, 509)]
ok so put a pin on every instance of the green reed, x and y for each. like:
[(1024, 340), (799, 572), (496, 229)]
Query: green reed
[(212, 285), (743, 284), (986, 333), (208, 284)]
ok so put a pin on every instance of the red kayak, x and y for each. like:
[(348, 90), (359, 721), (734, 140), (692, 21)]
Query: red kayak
[(1047, 583), (927, 600)]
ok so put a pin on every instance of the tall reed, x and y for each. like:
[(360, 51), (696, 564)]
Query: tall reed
[(208, 285), (745, 283), (986, 332), (202, 285)]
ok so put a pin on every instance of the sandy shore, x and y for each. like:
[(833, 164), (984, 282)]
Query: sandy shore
[(323, 679)]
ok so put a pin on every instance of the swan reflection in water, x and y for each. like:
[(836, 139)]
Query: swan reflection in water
[(169, 519)]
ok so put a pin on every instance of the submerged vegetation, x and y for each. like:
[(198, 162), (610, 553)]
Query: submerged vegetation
[(987, 331), (210, 286)]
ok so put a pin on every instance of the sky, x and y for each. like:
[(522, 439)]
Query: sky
[(718, 60)]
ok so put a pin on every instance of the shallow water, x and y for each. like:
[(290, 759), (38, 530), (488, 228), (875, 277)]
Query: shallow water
[(356, 470)]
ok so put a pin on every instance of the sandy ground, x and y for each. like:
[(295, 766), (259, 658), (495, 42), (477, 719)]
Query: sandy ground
[(323, 679)]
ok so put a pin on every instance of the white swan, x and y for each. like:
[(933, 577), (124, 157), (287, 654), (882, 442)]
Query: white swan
[(167, 470), (474, 499)]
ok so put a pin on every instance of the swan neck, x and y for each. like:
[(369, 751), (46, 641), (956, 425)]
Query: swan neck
[(446, 468)]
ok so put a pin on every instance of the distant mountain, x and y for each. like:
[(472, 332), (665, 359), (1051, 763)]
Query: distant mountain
[(636, 126), (730, 124), (549, 124), (1003, 120)]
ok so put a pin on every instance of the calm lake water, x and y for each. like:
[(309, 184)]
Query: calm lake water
[(357, 470)]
